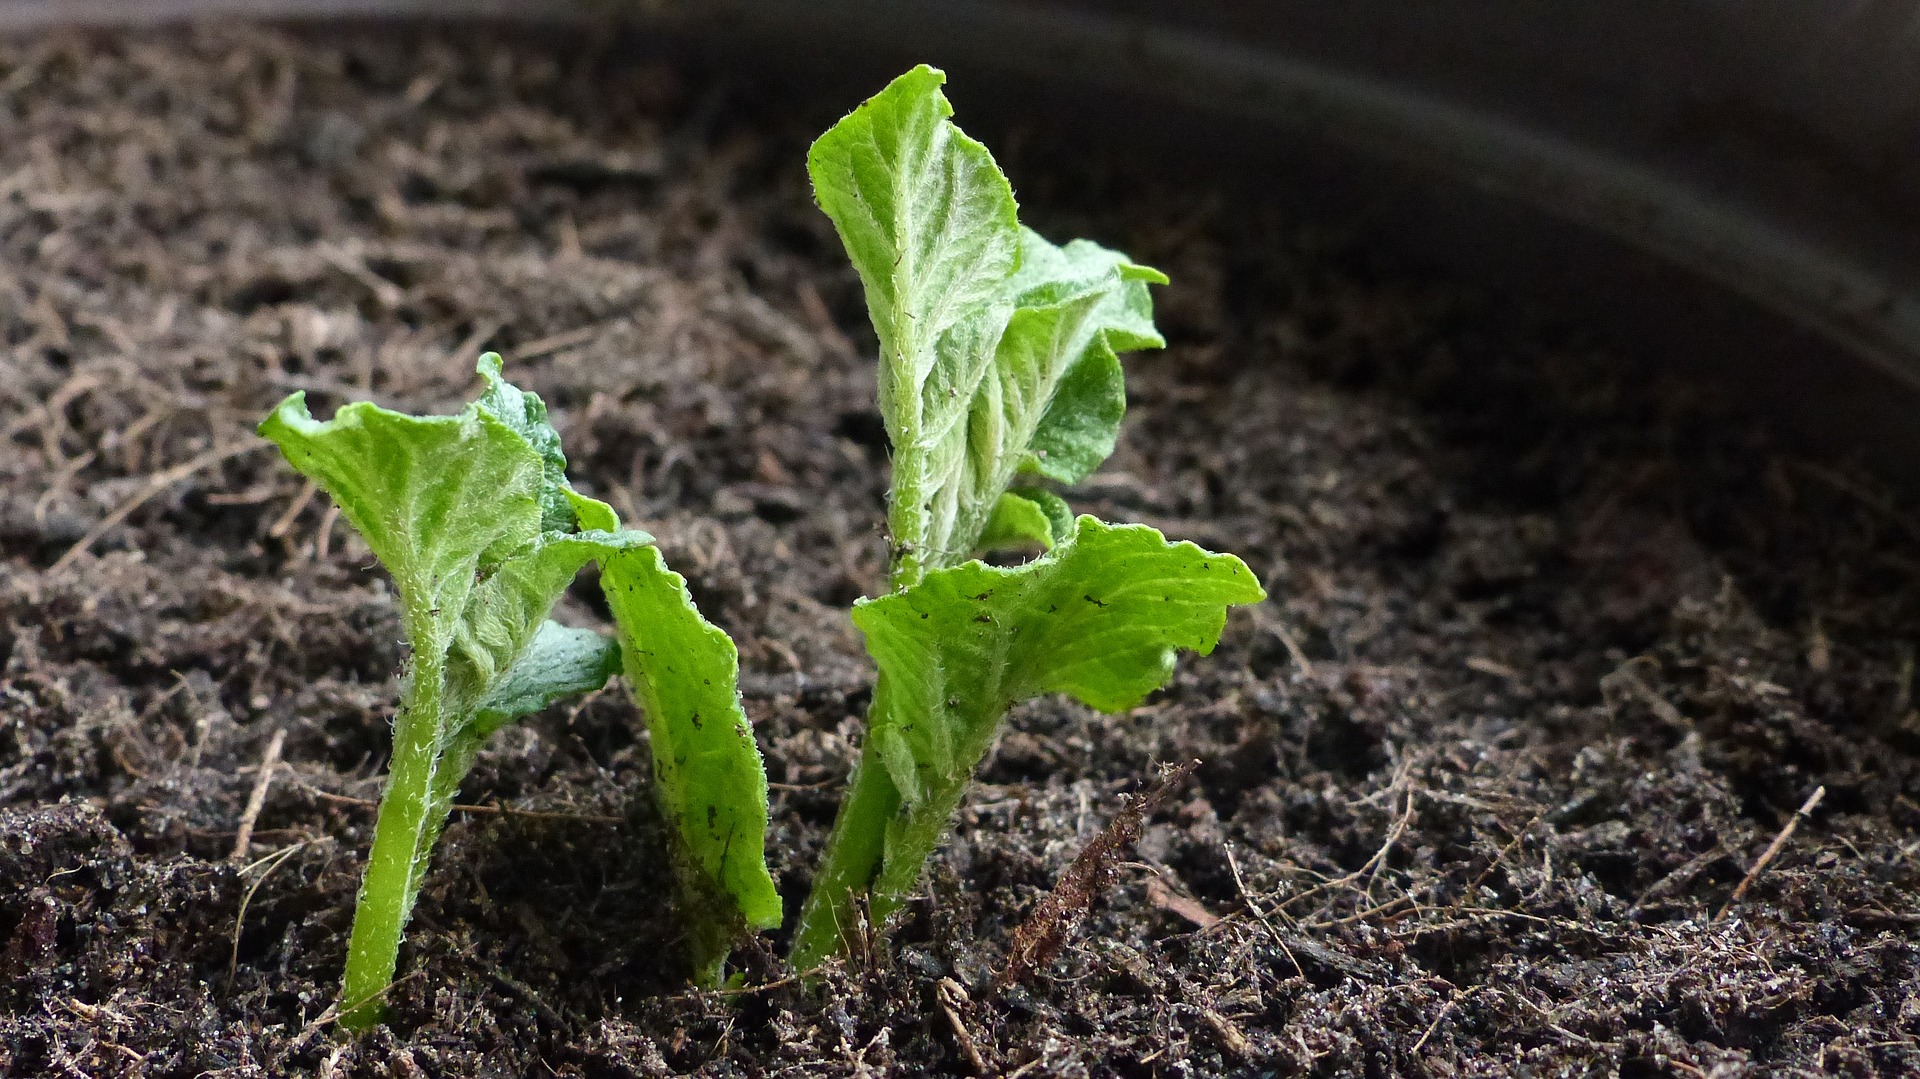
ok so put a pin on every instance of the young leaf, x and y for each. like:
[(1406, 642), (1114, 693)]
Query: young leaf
[(526, 414), (1098, 618), (1016, 521), (560, 662), (708, 776), (432, 495), (929, 222), (1052, 398), (1012, 370), (1027, 515), (996, 347), (473, 518), (1082, 419)]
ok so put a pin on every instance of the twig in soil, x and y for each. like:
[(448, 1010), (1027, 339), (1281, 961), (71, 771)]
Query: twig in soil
[(742, 991), (557, 342), (1493, 668), (1433, 1026), (1374, 911), (284, 523), (58, 485), (1623, 677), (324, 541), (952, 997), (243, 838), (1091, 873), (1476, 916), (160, 482), (1773, 849), (1246, 898), (1163, 897), (387, 294), (1232, 1038), (1293, 649), (525, 992), (271, 862), (47, 417), (820, 786), (1373, 865), (468, 350)]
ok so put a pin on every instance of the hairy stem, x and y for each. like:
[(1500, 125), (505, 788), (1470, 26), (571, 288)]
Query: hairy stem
[(907, 515), (876, 852), (830, 921), (410, 817)]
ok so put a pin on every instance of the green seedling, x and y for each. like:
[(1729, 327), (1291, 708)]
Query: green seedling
[(999, 372), (474, 519)]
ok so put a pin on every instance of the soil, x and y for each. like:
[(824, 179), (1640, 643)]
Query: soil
[(1557, 649)]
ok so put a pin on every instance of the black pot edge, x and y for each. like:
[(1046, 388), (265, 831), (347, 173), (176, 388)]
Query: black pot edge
[(1829, 310)]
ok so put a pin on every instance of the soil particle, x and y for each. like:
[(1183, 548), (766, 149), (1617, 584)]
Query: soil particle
[(1557, 646)]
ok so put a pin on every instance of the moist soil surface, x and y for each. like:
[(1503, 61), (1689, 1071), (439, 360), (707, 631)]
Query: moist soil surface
[(1556, 649)]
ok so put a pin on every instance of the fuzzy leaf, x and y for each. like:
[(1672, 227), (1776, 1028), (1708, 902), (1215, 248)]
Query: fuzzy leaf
[(1098, 618), (1081, 421), (526, 414), (560, 662), (1060, 520), (507, 608), (1054, 394), (924, 212), (982, 324), (930, 224), (435, 497), (709, 778), (1017, 521)]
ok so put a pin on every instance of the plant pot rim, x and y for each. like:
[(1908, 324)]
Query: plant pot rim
[(1858, 300)]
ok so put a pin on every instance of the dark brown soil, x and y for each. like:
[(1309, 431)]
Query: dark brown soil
[(1556, 651)]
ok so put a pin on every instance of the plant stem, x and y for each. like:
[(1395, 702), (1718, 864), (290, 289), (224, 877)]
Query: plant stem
[(409, 819), (830, 920), (907, 516), (876, 852)]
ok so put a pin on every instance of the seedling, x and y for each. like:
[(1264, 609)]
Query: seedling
[(998, 366), (999, 373), (474, 519)]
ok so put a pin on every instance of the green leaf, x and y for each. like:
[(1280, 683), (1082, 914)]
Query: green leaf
[(1017, 521), (1081, 421), (709, 779), (526, 415), (997, 348), (931, 226), (560, 662), (1060, 517), (557, 663), (1028, 515), (1099, 618), (435, 497), (510, 604), (1052, 365), (925, 214)]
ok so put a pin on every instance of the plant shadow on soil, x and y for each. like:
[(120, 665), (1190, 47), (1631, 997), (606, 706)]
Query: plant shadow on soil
[(1555, 649)]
